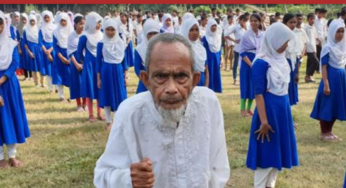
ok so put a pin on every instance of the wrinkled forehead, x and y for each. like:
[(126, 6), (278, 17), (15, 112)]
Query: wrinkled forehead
[(168, 56)]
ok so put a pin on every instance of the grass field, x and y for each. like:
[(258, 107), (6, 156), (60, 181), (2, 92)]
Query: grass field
[(64, 146)]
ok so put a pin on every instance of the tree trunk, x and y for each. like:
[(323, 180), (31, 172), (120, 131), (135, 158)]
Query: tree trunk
[(285, 8), (266, 7)]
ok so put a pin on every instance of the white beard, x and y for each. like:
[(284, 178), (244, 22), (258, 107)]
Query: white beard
[(171, 116)]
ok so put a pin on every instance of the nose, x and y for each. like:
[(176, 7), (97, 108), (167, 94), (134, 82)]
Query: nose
[(171, 88)]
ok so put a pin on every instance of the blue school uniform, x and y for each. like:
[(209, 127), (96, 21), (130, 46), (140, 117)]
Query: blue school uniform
[(138, 68), (75, 80), (281, 151), (24, 57), (46, 65), (202, 80), (14, 127), (89, 74), (113, 89), (332, 107), (246, 86), (213, 62), (293, 85), (61, 72), (129, 54), (14, 33), (35, 48)]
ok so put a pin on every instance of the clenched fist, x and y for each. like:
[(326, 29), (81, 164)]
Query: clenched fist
[(142, 174)]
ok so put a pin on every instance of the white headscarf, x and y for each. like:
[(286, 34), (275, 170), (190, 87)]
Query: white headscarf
[(22, 27), (278, 74), (6, 47), (73, 39), (113, 50), (213, 38), (47, 28), (149, 26), (15, 23), (32, 31), (62, 33), (8, 25), (94, 36), (166, 29), (200, 52), (187, 16), (336, 50)]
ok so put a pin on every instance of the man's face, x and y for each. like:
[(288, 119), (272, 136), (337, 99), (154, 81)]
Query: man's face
[(170, 78), (299, 21)]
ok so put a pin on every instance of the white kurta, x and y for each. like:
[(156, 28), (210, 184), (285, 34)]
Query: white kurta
[(192, 155), (312, 35), (321, 29)]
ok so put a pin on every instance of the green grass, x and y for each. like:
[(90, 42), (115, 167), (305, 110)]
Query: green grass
[(64, 146)]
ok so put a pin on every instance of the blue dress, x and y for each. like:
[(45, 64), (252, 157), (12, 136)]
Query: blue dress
[(14, 33), (14, 127), (113, 89), (293, 85), (213, 61), (46, 65), (129, 54), (246, 86), (24, 57), (75, 80), (332, 107), (281, 151), (138, 68), (61, 71), (35, 48), (202, 80), (89, 74)]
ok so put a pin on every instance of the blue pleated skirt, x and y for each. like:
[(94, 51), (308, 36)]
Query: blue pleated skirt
[(34, 63), (214, 61), (14, 127), (113, 89), (293, 85), (61, 75), (89, 77), (75, 82), (329, 108), (24, 57), (246, 86), (129, 54), (46, 65), (281, 151)]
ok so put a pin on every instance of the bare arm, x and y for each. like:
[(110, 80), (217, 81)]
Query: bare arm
[(247, 61), (264, 129)]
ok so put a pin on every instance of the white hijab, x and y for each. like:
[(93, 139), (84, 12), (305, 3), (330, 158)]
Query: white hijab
[(113, 50), (94, 36), (278, 74), (200, 52), (62, 33), (166, 29), (8, 24), (47, 28), (336, 50), (6, 47), (150, 25), (32, 31), (213, 38), (187, 16), (73, 40)]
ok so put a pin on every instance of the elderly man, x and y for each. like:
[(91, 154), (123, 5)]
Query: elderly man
[(171, 136)]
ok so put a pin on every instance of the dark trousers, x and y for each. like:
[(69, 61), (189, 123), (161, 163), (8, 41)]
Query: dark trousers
[(312, 63), (326, 126), (27, 73), (318, 54)]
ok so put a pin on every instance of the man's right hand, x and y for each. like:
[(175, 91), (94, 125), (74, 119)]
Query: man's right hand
[(142, 174)]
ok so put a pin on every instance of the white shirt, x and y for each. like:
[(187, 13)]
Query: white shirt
[(192, 155), (202, 30), (225, 23), (238, 32), (175, 21), (312, 35), (321, 29), (302, 38), (138, 27), (228, 28)]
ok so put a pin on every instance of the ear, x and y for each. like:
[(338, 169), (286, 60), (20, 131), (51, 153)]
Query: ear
[(144, 78), (196, 78)]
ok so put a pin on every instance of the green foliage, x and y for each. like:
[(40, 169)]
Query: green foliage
[(203, 8)]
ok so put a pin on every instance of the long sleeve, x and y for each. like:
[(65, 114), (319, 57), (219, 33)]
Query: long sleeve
[(55, 45), (99, 57), (220, 170), (14, 65), (259, 76), (113, 168), (81, 46), (17, 35), (24, 38), (40, 37), (138, 64), (124, 64)]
